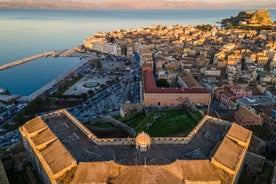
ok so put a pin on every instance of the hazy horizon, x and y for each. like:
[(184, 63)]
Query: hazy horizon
[(137, 4)]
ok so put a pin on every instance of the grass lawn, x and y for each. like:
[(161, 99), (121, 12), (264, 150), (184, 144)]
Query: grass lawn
[(163, 123), (133, 119)]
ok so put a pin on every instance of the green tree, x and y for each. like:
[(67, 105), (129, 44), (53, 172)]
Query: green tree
[(124, 51), (205, 27), (111, 39), (99, 65), (34, 107), (90, 92), (84, 96), (29, 112), (103, 86), (162, 83)]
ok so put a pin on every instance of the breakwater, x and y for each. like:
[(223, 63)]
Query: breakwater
[(25, 60), (63, 53)]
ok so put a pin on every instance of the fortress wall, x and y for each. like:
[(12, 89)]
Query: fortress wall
[(49, 169), (131, 141), (231, 152)]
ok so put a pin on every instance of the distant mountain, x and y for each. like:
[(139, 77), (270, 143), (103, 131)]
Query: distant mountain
[(132, 4), (51, 4)]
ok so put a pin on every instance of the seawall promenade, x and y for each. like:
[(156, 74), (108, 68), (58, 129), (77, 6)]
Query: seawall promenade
[(49, 85), (58, 53)]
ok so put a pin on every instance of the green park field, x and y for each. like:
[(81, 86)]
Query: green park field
[(160, 123)]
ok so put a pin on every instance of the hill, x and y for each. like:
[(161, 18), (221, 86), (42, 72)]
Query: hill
[(259, 17)]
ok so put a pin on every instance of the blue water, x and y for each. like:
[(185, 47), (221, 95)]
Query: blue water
[(29, 77), (25, 33)]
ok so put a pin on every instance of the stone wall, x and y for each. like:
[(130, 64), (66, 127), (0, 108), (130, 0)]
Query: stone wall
[(48, 172), (131, 141), (169, 99), (230, 154)]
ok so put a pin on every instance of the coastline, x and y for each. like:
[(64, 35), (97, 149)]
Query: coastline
[(40, 91), (89, 24), (50, 84)]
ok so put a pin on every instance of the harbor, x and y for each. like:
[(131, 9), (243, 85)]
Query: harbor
[(48, 86), (58, 53)]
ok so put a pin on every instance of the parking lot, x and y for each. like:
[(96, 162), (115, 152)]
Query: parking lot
[(107, 100)]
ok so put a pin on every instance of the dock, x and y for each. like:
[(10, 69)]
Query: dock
[(25, 60), (63, 53)]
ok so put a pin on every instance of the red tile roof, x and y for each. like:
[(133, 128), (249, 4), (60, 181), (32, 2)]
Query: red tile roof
[(150, 86)]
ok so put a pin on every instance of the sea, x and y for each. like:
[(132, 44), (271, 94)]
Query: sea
[(27, 32)]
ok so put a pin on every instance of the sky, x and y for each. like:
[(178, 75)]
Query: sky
[(211, 1), (229, 1), (140, 4)]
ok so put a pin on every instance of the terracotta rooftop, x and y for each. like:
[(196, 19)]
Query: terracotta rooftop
[(238, 132), (176, 172), (143, 139), (101, 171), (146, 175), (244, 111), (35, 125), (57, 157), (197, 170), (50, 152), (43, 137), (150, 86), (189, 80), (228, 153), (185, 163)]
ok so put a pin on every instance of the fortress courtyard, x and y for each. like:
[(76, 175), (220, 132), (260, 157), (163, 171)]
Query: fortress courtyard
[(64, 151)]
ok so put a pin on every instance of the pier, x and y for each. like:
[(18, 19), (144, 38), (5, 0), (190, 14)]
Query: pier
[(63, 53), (58, 53), (25, 60)]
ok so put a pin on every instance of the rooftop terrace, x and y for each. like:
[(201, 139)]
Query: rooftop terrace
[(150, 86)]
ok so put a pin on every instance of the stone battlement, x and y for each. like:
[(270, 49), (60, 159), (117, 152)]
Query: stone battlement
[(131, 141), (64, 151)]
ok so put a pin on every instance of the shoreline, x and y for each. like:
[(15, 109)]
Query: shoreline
[(58, 53), (49, 85)]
